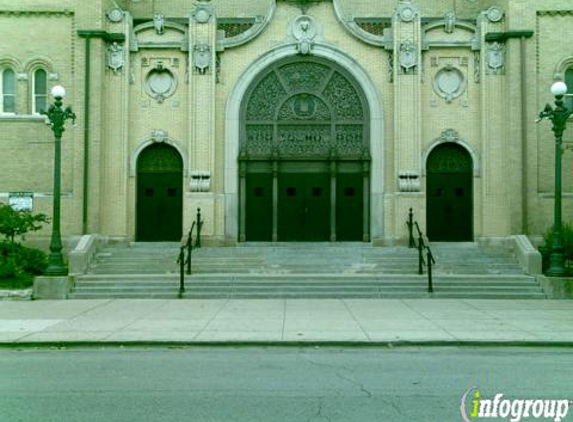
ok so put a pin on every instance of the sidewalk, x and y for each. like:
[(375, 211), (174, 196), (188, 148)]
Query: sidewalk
[(344, 322)]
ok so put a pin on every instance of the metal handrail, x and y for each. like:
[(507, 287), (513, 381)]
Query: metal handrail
[(410, 224), (422, 245), (186, 249)]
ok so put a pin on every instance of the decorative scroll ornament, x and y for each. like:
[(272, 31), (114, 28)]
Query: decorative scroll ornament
[(201, 57), (115, 58), (408, 56), (159, 24), (159, 136), (304, 31), (495, 57)]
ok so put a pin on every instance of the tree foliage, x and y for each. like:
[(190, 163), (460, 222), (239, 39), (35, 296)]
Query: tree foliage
[(17, 223)]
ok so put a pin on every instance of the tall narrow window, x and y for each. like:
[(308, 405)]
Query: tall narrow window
[(40, 90), (569, 83), (8, 91)]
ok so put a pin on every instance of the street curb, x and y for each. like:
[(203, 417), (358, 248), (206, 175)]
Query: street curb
[(286, 344)]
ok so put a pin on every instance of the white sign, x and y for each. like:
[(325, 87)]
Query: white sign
[(21, 201)]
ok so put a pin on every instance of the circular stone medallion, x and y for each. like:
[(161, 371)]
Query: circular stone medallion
[(202, 15), (449, 83), (494, 14), (161, 83)]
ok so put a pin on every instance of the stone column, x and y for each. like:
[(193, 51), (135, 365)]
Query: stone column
[(115, 127), (202, 80), (497, 168), (275, 201), (333, 168), (243, 205), (366, 193), (407, 113)]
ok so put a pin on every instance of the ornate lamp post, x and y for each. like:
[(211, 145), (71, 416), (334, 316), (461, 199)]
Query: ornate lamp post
[(57, 118), (558, 117)]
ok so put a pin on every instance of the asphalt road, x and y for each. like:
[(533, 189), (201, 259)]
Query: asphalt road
[(270, 384)]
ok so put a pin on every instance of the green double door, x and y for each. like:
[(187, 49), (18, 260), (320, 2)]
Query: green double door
[(306, 209), (449, 207), (159, 207)]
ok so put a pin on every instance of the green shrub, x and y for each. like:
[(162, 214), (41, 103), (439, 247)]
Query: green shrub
[(17, 223), (566, 240), (8, 269), (16, 259)]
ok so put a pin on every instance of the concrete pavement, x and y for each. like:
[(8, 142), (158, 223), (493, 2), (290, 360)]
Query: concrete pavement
[(283, 321)]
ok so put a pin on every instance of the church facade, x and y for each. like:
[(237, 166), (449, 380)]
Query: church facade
[(287, 120)]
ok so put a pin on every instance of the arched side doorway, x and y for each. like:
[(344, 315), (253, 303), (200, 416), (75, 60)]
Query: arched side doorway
[(449, 194), (159, 194), (304, 161)]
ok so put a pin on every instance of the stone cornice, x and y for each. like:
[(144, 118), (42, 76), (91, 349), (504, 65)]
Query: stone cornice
[(555, 12), (64, 12)]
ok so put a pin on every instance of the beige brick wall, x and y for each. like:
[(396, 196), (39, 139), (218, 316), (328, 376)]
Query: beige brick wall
[(487, 115)]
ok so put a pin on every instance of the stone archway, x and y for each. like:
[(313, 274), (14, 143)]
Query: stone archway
[(159, 206), (374, 215), (449, 193), (304, 155)]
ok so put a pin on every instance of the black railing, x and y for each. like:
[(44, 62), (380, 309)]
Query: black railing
[(186, 249), (425, 256)]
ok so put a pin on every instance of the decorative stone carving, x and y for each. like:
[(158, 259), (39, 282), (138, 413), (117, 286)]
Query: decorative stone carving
[(449, 83), (202, 57), (390, 67), (115, 57), (450, 21), (202, 13), (159, 24), (495, 58), (115, 15), (304, 107), (161, 83), (449, 135), (408, 57), (406, 12), (494, 14), (159, 136), (409, 181), (304, 31), (477, 66), (304, 110), (343, 98), (200, 181), (303, 76)]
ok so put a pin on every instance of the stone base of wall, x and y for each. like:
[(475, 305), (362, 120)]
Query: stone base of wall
[(556, 288), (52, 287)]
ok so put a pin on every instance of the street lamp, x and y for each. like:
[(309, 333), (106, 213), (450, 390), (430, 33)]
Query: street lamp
[(56, 119), (558, 116)]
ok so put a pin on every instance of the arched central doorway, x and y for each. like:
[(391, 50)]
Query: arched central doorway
[(304, 161), (159, 194), (449, 196)]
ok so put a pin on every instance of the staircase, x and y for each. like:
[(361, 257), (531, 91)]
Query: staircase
[(304, 270)]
